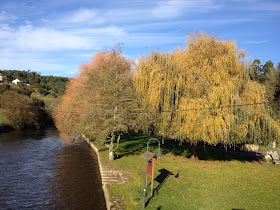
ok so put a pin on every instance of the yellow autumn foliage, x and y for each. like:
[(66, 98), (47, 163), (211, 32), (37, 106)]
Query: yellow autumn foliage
[(185, 88)]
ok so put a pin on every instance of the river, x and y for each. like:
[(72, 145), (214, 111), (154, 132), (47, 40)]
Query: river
[(38, 171)]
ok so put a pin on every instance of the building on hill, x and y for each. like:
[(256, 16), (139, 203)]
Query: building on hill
[(3, 79), (16, 81)]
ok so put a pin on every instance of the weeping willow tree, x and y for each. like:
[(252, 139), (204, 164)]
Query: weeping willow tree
[(194, 94)]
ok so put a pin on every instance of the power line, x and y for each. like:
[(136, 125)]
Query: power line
[(110, 112)]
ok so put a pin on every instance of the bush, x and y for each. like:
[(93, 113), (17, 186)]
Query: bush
[(18, 110)]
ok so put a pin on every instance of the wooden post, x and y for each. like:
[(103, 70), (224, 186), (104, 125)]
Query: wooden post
[(152, 182), (118, 140), (150, 173)]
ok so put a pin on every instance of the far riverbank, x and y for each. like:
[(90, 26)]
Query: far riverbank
[(4, 128)]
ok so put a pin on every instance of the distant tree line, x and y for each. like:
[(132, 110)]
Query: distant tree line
[(45, 84), (29, 104), (269, 76)]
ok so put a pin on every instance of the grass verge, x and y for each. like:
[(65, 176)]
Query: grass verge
[(220, 181)]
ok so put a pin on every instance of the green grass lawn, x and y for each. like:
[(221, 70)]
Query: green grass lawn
[(183, 183)]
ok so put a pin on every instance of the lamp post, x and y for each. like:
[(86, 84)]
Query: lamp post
[(158, 155)]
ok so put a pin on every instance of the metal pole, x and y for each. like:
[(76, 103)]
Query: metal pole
[(144, 191)]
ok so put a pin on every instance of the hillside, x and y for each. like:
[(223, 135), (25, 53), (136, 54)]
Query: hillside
[(27, 99), (46, 85)]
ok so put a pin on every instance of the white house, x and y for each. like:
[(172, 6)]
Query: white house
[(15, 81), (3, 79)]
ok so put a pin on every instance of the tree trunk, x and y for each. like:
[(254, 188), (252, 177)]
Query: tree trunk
[(194, 149), (111, 148)]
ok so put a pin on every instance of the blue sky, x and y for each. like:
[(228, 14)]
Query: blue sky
[(54, 37)]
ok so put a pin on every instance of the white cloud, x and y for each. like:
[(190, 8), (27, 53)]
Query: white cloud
[(89, 16), (179, 26), (154, 39), (5, 17), (28, 37), (256, 42), (52, 50), (44, 20), (69, 37), (267, 6), (101, 31), (176, 8), (257, 5), (40, 63)]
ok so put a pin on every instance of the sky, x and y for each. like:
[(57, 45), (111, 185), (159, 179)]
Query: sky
[(54, 37)]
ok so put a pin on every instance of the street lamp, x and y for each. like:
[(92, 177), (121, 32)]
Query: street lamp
[(158, 155)]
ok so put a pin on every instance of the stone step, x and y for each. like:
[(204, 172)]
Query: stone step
[(113, 177), (110, 173), (111, 182), (125, 179), (110, 178)]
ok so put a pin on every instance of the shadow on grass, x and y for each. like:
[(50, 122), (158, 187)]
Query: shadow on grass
[(132, 144), (136, 144), (161, 179), (208, 152)]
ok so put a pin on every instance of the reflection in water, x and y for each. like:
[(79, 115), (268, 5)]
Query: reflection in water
[(39, 172), (75, 178)]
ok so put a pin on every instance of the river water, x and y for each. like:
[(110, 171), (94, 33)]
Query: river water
[(38, 171)]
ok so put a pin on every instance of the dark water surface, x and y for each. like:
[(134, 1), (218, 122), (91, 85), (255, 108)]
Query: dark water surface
[(38, 171)]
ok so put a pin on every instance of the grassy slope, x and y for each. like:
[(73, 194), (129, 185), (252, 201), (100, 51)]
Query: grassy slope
[(182, 183)]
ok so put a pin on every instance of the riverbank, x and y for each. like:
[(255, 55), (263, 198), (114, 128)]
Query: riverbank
[(183, 183), (7, 128), (4, 128), (109, 176)]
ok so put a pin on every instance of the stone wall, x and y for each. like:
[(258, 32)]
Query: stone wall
[(104, 187)]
